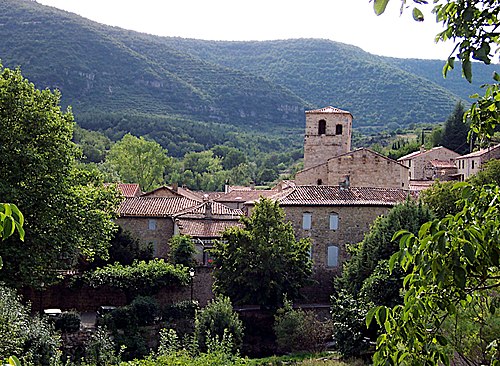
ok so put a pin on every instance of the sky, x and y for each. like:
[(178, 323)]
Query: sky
[(347, 21)]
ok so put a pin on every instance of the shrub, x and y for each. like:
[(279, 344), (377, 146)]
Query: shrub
[(216, 319), (68, 322), (180, 316), (146, 309), (140, 278), (298, 330), (182, 250), (100, 349)]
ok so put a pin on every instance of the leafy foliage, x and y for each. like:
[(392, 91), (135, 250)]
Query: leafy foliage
[(143, 278), (262, 262), (68, 213), (455, 131), (218, 321), (442, 198), (453, 265), (378, 243), (30, 339), (297, 330), (137, 160), (182, 250)]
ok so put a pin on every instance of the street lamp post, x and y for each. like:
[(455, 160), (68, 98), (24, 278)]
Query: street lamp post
[(191, 275)]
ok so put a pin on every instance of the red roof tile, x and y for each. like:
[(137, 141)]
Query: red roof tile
[(243, 196), (154, 206), (205, 228), (216, 209), (127, 189), (337, 196), (481, 152)]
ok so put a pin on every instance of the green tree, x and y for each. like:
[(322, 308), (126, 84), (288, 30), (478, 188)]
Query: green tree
[(455, 131), (68, 212), (489, 174), (453, 267), (218, 320), (182, 250), (137, 160), (442, 198), (262, 262)]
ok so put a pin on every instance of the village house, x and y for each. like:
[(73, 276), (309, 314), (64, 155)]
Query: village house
[(333, 217), (470, 164), (426, 166), (205, 223), (328, 159)]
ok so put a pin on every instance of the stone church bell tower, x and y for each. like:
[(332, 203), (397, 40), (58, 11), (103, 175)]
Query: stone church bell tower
[(328, 134)]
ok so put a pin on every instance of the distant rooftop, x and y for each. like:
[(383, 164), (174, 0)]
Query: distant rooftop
[(328, 109)]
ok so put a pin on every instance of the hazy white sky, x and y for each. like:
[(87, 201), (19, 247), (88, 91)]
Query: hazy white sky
[(347, 21)]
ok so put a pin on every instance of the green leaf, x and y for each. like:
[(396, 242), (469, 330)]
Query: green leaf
[(369, 316), (418, 15), (470, 253), (379, 6), (467, 70), (14, 361), (459, 276), (496, 76)]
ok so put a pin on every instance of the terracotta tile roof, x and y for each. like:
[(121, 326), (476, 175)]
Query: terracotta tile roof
[(154, 206), (418, 153), (127, 189), (174, 191), (216, 209), (205, 228), (243, 196), (420, 185), (443, 164), (328, 109), (337, 196), (481, 152)]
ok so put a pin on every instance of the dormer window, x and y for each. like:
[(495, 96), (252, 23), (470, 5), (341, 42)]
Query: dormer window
[(321, 127)]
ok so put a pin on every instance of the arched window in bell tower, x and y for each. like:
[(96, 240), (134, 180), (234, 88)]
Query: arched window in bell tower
[(321, 127)]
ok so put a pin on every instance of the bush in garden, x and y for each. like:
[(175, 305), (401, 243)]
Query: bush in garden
[(31, 339), (68, 322), (180, 316), (146, 309), (216, 319), (100, 349), (298, 330)]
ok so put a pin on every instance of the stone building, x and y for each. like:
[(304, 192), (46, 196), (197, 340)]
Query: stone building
[(436, 163), (328, 159), (149, 219), (328, 134), (205, 223), (359, 168), (333, 217), (470, 164)]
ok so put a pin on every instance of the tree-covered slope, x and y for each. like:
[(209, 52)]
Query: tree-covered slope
[(96, 71), (264, 86)]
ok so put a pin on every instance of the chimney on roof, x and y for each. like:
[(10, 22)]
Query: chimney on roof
[(175, 187), (422, 148), (208, 209), (345, 183), (227, 187)]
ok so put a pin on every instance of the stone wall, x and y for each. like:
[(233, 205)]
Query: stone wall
[(419, 164), (313, 176), (139, 228), (354, 222), (319, 148), (84, 298), (366, 168)]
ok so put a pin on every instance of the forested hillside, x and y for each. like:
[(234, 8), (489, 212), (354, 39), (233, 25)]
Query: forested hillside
[(184, 93)]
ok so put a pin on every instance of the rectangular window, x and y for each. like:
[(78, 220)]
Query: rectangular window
[(333, 256), (334, 221), (472, 164), (306, 220), (152, 224)]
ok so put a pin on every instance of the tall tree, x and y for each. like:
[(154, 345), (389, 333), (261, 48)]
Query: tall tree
[(455, 132), (137, 160), (262, 262), (68, 212)]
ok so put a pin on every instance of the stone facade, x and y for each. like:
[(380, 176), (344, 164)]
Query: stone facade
[(470, 164), (150, 231), (328, 133), (418, 163), (361, 167)]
